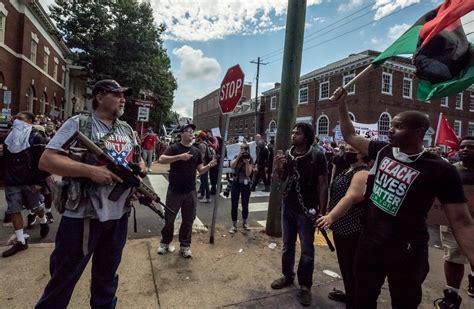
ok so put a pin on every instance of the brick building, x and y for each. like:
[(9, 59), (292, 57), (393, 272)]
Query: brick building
[(206, 111), (33, 62), (376, 98)]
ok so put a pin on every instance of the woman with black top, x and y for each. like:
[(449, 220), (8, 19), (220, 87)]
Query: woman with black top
[(344, 213), (243, 167)]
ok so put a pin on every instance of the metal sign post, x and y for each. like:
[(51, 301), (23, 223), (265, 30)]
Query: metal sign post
[(219, 179), (231, 91)]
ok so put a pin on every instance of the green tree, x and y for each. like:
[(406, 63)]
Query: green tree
[(119, 40)]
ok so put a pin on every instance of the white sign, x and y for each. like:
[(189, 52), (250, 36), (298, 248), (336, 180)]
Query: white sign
[(143, 113), (216, 132), (367, 130), (7, 97), (6, 112), (54, 113), (234, 149)]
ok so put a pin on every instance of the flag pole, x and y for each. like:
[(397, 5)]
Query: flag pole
[(437, 128), (355, 79)]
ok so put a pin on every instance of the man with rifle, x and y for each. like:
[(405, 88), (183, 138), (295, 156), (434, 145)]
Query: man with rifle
[(89, 210)]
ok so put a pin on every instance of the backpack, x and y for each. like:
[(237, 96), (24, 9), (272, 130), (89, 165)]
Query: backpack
[(208, 153)]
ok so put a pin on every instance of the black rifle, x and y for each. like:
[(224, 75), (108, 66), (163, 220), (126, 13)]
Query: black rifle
[(129, 175)]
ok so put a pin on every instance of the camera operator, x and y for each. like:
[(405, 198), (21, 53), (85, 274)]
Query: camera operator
[(242, 166)]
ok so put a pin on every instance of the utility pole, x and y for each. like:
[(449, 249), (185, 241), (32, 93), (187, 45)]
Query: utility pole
[(290, 82), (258, 63)]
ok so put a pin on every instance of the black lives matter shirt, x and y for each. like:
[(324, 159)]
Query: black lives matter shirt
[(182, 175), (399, 195)]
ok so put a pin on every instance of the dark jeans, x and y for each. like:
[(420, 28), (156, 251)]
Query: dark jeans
[(346, 246), (67, 262), (204, 188), (259, 174), (213, 175), (294, 224), (237, 190), (187, 203), (404, 266)]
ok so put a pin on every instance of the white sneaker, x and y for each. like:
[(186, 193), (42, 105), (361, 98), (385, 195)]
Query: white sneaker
[(204, 200), (233, 230), (149, 170), (246, 227), (186, 252), (164, 248)]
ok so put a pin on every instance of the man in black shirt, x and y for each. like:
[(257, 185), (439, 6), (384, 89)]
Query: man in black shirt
[(454, 258), (304, 169), (401, 188), (184, 159)]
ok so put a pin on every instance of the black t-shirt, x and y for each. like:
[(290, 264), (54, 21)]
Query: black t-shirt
[(467, 175), (309, 182), (182, 175), (399, 195)]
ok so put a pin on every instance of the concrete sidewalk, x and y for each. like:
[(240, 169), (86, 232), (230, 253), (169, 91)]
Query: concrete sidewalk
[(235, 272)]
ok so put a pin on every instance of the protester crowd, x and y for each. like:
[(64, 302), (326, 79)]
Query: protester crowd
[(373, 195)]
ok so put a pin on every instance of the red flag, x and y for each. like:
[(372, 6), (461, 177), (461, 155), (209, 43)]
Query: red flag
[(447, 17), (445, 135)]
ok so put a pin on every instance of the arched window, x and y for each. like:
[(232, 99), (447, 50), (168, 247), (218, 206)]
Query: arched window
[(352, 116), (30, 99), (43, 102), (322, 126), (384, 123), (272, 126)]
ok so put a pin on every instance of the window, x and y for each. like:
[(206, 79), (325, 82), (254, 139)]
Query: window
[(387, 83), (246, 124), (407, 86), (444, 102), (384, 123), (459, 101), (273, 103), (471, 102), (345, 80), (34, 49), (324, 90), (46, 60), (470, 129), (303, 95), (55, 69), (352, 116), (457, 127), (322, 127), (241, 124), (272, 126), (2, 27)]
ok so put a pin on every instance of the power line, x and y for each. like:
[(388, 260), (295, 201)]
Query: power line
[(326, 27), (353, 30)]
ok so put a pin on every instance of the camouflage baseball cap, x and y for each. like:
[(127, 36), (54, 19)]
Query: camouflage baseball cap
[(110, 85)]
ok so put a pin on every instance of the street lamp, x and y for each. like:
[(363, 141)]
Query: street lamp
[(74, 101)]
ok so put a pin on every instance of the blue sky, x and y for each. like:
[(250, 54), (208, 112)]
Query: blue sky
[(206, 37)]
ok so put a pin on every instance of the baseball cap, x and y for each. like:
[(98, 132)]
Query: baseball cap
[(110, 85), (189, 125)]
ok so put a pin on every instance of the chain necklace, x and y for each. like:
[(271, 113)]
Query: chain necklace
[(294, 179)]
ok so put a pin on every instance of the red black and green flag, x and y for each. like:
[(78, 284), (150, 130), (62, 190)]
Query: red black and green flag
[(442, 53)]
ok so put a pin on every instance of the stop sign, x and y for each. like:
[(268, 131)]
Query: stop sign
[(232, 87)]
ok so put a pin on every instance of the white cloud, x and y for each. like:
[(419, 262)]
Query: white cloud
[(396, 31), (203, 20), (386, 7), (195, 66), (197, 76), (350, 5)]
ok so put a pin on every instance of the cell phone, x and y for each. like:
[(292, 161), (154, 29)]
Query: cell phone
[(279, 152)]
